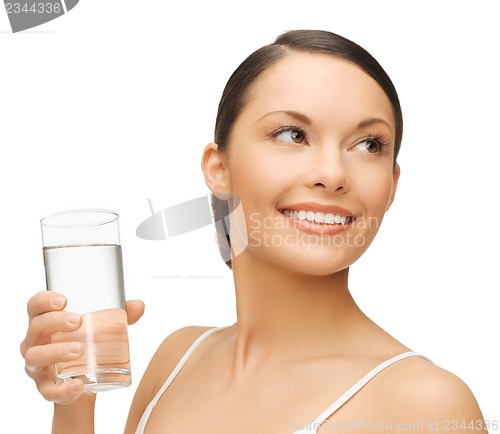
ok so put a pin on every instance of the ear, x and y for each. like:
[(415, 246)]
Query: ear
[(395, 179), (213, 164)]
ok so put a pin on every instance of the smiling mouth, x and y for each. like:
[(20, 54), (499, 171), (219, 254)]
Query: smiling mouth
[(318, 217)]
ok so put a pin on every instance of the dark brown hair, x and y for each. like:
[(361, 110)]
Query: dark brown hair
[(236, 94)]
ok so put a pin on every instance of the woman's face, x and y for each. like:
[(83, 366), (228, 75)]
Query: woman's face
[(311, 159)]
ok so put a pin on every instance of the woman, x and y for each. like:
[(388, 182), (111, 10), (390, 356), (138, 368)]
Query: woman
[(306, 140)]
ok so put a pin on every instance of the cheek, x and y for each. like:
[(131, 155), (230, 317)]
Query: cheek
[(377, 193), (255, 179), (374, 197)]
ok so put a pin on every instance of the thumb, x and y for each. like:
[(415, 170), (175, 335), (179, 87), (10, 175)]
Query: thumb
[(135, 309)]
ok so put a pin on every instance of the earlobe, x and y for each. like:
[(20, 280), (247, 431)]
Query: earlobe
[(214, 169), (395, 179)]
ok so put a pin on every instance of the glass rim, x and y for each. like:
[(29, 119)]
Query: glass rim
[(113, 215)]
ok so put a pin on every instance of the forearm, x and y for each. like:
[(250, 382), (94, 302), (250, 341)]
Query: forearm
[(76, 418)]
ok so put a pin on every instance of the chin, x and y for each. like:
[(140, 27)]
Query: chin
[(320, 269), (315, 262)]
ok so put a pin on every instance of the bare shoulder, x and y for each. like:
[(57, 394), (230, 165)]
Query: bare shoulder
[(417, 390), (168, 355), (161, 365), (174, 346)]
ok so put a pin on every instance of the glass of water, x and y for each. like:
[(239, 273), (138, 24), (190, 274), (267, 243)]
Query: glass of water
[(83, 261)]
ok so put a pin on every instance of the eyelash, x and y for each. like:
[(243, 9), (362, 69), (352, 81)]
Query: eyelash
[(381, 141), (286, 128)]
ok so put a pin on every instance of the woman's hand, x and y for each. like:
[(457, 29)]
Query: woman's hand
[(47, 317)]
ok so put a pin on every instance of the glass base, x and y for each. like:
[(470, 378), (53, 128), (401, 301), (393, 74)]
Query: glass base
[(99, 380)]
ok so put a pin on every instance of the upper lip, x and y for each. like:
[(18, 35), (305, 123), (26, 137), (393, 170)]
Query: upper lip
[(317, 207)]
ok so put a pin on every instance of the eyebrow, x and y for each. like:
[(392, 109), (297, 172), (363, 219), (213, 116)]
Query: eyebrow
[(303, 118), (368, 122), (296, 115)]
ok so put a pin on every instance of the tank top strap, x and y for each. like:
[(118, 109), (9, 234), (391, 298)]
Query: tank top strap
[(173, 374), (312, 427)]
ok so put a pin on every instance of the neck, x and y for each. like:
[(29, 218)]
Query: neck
[(282, 314)]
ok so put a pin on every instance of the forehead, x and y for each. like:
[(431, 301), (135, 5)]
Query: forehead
[(323, 86)]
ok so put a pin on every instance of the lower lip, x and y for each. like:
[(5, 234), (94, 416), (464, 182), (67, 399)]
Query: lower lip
[(317, 228)]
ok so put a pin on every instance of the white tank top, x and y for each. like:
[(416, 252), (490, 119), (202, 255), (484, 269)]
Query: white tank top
[(310, 428)]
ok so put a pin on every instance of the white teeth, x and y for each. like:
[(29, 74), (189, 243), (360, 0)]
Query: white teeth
[(318, 217)]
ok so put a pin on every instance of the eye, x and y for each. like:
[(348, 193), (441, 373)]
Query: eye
[(371, 145), (290, 135)]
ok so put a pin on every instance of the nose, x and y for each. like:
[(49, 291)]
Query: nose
[(328, 170)]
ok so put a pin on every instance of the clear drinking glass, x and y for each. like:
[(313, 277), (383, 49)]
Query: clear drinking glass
[(83, 261)]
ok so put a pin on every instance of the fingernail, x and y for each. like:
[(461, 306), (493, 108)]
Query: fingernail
[(75, 386), (72, 318), (58, 300), (74, 347)]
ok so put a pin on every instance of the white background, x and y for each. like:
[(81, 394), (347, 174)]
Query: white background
[(113, 103)]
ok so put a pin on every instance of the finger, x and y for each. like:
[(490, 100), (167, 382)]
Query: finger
[(39, 357), (135, 309), (43, 326), (45, 301), (63, 393)]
